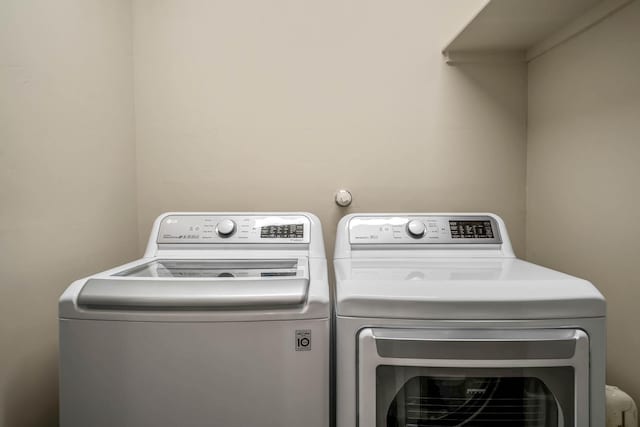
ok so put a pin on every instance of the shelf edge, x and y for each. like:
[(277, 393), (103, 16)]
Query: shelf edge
[(455, 57), (575, 27), (464, 27)]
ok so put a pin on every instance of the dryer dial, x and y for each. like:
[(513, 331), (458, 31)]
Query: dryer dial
[(416, 229)]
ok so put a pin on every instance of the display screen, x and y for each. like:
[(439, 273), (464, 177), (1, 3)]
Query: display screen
[(471, 229), (285, 231)]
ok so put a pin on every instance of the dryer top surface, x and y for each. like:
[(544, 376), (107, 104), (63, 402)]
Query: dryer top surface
[(461, 289)]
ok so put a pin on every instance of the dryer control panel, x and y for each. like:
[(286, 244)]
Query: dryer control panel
[(234, 229), (440, 229)]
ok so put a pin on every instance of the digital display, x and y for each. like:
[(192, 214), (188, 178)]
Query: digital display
[(471, 229), (285, 231)]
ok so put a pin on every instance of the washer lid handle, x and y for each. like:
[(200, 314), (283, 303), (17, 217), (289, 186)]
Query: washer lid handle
[(119, 293)]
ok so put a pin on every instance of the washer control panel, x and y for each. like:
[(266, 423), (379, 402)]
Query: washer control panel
[(472, 229), (234, 229)]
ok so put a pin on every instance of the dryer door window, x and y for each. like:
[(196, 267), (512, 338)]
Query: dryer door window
[(409, 396)]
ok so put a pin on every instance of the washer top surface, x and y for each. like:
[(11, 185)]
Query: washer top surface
[(396, 275)]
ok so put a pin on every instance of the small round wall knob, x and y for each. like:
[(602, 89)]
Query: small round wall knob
[(416, 228), (343, 198), (226, 228)]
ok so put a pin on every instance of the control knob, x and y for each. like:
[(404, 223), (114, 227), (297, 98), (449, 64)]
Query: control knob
[(226, 228), (416, 229)]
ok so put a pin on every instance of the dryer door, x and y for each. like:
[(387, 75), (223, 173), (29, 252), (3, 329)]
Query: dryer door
[(532, 378)]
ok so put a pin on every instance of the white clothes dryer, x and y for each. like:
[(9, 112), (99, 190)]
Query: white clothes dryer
[(439, 324), (224, 322)]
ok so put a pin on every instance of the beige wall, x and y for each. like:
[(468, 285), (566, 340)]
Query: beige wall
[(67, 179), (254, 105), (251, 105), (273, 106), (583, 205)]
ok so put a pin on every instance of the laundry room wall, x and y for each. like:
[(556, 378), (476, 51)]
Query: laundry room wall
[(253, 105), (583, 174), (67, 179)]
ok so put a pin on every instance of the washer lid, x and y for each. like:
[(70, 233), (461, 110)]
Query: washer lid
[(461, 289), (216, 268), (187, 284)]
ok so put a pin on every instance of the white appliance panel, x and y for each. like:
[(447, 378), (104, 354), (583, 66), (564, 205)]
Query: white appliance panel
[(238, 374), (433, 317), (224, 321)]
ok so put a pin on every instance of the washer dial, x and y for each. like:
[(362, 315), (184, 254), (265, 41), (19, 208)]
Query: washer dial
[(226, 228), (416, 229)]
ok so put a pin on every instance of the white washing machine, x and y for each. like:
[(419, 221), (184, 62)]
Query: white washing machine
[(224, 322), (438, 324)]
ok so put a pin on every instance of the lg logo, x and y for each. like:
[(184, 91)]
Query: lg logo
[(303, 340)]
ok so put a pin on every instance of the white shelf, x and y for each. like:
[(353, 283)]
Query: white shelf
[(521, 30)]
